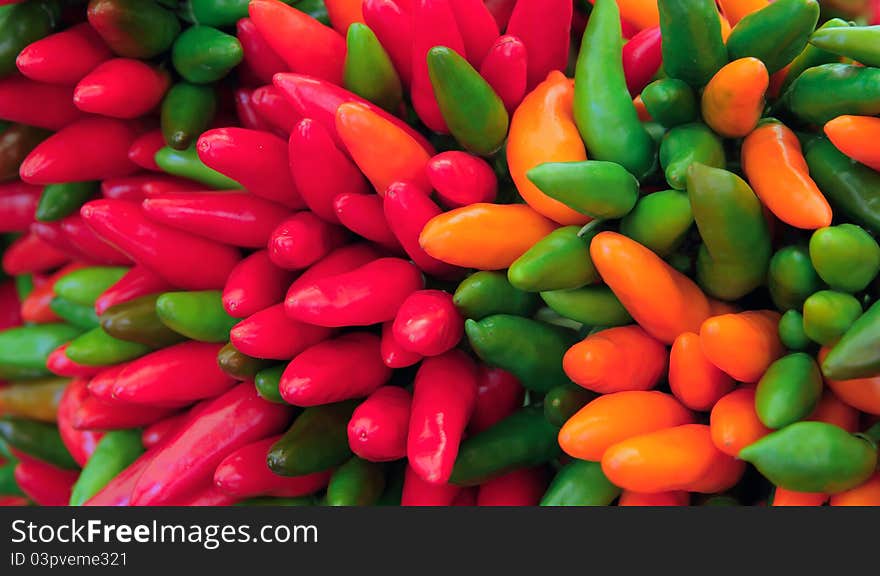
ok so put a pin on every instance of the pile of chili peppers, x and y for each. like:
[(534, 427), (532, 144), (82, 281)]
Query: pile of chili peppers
[(440, 252)]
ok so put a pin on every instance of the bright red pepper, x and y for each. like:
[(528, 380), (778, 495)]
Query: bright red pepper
[(191, 456), (160, 431), (101, 146), (43, 483), (477, 27), (259, 56), (499, 394), (460, 179), (273, 107), (139, 186), (246, 112), (121, 88), (444, 394), (143, 150), (272, 334), (642, 58), (184, 260), (501, 11), (95, 414), (505, 68), (367, 295), (101, 384), (48, 106), (393, 354), (117, 492), (64, 57), (340, 261), (30, 253), (417, 492), (254, 285), (303, 239), (523, 487), (10, 307), (256, 160), (35, 308), (83, 239), (52, 234), (80, 443), (245, 474), (392, 23), (58, 363), (428, 323), (18, 203), (378, 427), (544, 26), (137, 282), (364, 214), (321, 170)]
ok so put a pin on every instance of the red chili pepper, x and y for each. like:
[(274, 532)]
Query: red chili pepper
[(191, 456), (444, 394), (321, 170), (48, 106), (428, 323), (80, 443), (121, 88), (43, 483), (340, 261), (158, 432), (460, 179), (35, 308), (254, 285), (344, 368), (306, 45), (259, 56), (392, 23), (367, 295), (184, 260), (378, 427), (10, 307), (523, 487), (14, 501), (52, 234), (64, 57), (364, 214), (501, 11), (138, 281), (136, 188), (642, 58), (84, 240), (393, 354), (544, 26), (256, 160), (89, 149), (246, 112), (118, 491), (477, 27), (95, 414), (505, 68), (274, 108), (208, 495), (173, 376), (245, 474), (59, 364), (143, 150), (30, 253), (417, 492), (433, 25), (272, 334), (101, 384), (303, 239), (499, 394), (18, 203)]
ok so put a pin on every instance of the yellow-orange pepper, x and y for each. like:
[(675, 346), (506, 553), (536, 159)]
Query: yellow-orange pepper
[(733, 100), (858, 137), (734, 424), (742, 345), (344, 13)]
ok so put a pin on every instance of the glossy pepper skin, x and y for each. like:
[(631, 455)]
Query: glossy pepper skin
[(560, 260), (580, 483), (79, 443), (828, 315), (34, 400), (262, 61), (852, 135), (137, 321), (693, 50), (115, 452), (38, 440), (83, 286), (188, 164), (63, 57), (272, 334), (831, 247), (364, 214), (16, 142), (670, 101), (791, 331), (24, 349), (742, 344), (854, 355), (811, 56), (369, 72), (393, 354), (23, 24), (616, 359), (733, 100), (485, 293), (642, 58), (594, 305), (138, 281), (378, 428), (686, 144), (196, 315), (428, 323), (545, 30), (499, 394), (734, 423), (267, 380), (854, 89), (202, 54), (792, 277), (603, 109), (121, 88), (659, 221), (317, 441), (37, 104), (775, 34), (596, 188), (564, 401), (97, 348), (505, 69), (254, 284), (856, 42), (18, 205), (788, 391), (61, 200), (187, 111), (43, 483), (134, 28), (392, 25), (460, 179)]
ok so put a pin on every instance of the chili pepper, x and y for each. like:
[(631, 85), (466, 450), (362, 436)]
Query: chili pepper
[(690, 29), (136, 188), (595, 188), (37, 104), (603, 109), (856, 42), (342, 260), (736, 10), (23, 24), (182, 259), (63, 57), (783, 497), (855, 354), (505, 69), (189, 458), (58, 363), (392, 25), (84, 285), (523, 439), (693, 379), (393, 354), (580, 484), (853, 89), (302, 239), (791, 277), (121, 88), (590, 305), (43, 483), (828, 315), (117, 492), (791, 331), (16, 142), (831, 247), (743, 345), (659, 221), (143, 150), (134, 28), (245, 474), (605, 361), (544, 29), (271, 334), (642, 58), (272, 106), (775, 34), (788, 391), (558, 261), (811, 56), (155, 434), (418, 492), (116, 451), (563, 401), (686, 145), (239, 365), (79, 443), (36, 439), (529, 349), (102, 383), (316, 442), (8, 486), (61, 200), (79, 315), (733, 100), (481, 125), (138, 281), (202, 54), (257, 55), (369, 72), (670, 101), (853, 135), (734, 423), (356, 483), (254, 284), (478, 28), (29, 253), (428, 323), (10, 305), (34, 400), (813, 457), (97, 348), (187, 111), (23, 350), (499, 394), (485, 293), (137, 321), (364, 214), (831, 410), (523, 487), (866, 494), (663, 301), (187, 164), (18, 204), (196, 315), (736, 250), (378, 427), (672, 498), (78, 241), (860, 393)]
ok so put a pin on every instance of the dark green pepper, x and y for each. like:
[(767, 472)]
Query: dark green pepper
[(137, 321), (24, 285), (8, 485), (559, 261), (187, 164), (580, 483), (591, 305), (775, 34), (845, 256), (788, 391), (82, 317), (811, 56), (369, 72), (239, 365), (22, 24), (791, 277), (202, 54), (693, 49), (671, 102), (134, 28), (36, 439), (485, 293), (97, 348), (598, 189), (828, 314), (60, 200), (267, 382), (187, 111), (791, 331), (23, 350), (660, 221), (685, 145), (113, 454), (317, 441), (196, 315), (860, 43), (358, 482), (83, 286), (563, 402), (825, 92), (857, 353)]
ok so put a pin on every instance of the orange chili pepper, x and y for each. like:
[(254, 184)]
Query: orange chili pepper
[(35, 308), (662, 300), (616, 359), (615, 417), (857, 137), (719, 307), (725, 27), (783, 497), (860, 393), (695, 381), (641, 110), (778, 173), (543, 130), (344, 13), (640, 13), (383, 151), (832, 410), (744, 344), (736, 10), (868, 494), (733, 100), (734, 424), (484, 236), (673, 498)]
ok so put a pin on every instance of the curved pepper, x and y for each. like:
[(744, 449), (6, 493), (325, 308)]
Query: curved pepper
[(196, 315), (685, 145), (137, 321), (187, 164), (591, 305), (266, 382), (18, 205), (317, 441), (743, 345), (378, 427), (43, 483), (136, 188), (825, 92), (866, 494), (97, 348), (499, 394), (485, 293), (560, 260), (134, 28), (83, 286), (595, 188), (369, 72), (855, 354), (855, 137), (428, 323), (143, 150), (35, 305), (273, 108), (828, 315), (340, 261), (811, 56), (845, 256), (114, 453), (580, 483), (477, 26), (138, 281), (792, 278), (775, 34), (58, 363), (61, 200), (34, 400), (734, 423), (733, 100), (121, 88), (672, 498), (81, 316), (37, 104), (64, 57), (202, 54), (254, 284), (659, 221), (670, 101), (859, 43), (642, 58), (364, 214), (545, 29), (257, 56), (238, 364), (736, 10), (393, 354), (272, 334), (187, 111), (23, 350), (505, 69), (693, 379), (693, 49), (30, 253), (788, 391), (393, 27), (37, 440)]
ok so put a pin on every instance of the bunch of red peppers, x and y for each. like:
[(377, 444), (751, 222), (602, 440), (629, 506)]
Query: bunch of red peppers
[(439, 252)]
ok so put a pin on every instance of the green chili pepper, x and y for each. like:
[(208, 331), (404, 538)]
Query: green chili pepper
[(825, 92), (196, 315), (603, 109), (580, 483), (845, 256), (592, 187), (791, 277), (137, 321), (267, 381), (791, 331), (812, 457), (474, 113), (36, 439), (861, 43), (530, 350), (187, 111), (560, 260), (317, 441), (811, 56), (314, 8), (8, 485), (22, 24), (736, 249), (82, 317), (857, 353), (369, 72), (203, 54), (828, 314), (788, 391), (97, 348), (591, 305), (671, 102), (60, 200), (485, 293), (693, 50), (113, 454), (24, 285), (522, 440), (358, 482), (220, 13), (23, 350), (563, 401), (685, 145), (134, 28), (186, 164), (660, 221), (239, 365), (775, 34), (83, 286)]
